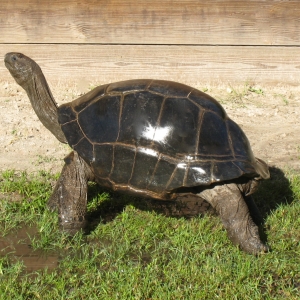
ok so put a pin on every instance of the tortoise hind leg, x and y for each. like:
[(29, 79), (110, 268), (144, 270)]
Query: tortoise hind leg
[(70, 194), (229, 203)]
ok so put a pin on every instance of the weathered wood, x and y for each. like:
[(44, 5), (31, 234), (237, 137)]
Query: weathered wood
[(194, 22), (194, 65)]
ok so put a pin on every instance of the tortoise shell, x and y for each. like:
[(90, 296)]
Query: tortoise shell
[(154, 137)]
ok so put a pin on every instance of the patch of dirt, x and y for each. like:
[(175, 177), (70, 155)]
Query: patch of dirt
[(270, 117)]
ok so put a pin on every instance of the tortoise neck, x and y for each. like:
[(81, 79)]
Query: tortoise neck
[(44, 104)]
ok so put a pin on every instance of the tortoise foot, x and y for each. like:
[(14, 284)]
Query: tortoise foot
[(246, 236), (72, 226)]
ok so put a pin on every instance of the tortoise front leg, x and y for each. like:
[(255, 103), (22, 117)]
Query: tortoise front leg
[(70, 193), (229, 203)]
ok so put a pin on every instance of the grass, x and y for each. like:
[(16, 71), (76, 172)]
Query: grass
[(42, 159), (133, 253), (283, 97), (236, 95)]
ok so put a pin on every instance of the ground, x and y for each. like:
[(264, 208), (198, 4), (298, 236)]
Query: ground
[(269, 115)]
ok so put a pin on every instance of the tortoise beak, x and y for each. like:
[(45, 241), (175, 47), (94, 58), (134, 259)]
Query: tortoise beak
[(6, 56), (8, 60)]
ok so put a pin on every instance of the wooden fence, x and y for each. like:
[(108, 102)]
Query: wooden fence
[(195, 42)]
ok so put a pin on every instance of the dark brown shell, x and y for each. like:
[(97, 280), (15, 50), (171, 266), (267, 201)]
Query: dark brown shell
[(153, 137)]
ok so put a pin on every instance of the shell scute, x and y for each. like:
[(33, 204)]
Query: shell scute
[(162, 175), (66, 114), (72, 132), (198, 174), (141, 175), (140, 112), (225, 169), (123, 161), (207, 102), (240, 142), (85, 148), (170, 88), (103, 160), (213, 140), (128, 86), (178, 125), (92, 96), (100, 120)]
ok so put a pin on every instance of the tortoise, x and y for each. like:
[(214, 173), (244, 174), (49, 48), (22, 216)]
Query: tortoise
[(152, 138)]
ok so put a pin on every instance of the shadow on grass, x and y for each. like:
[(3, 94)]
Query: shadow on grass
[(270, 195), (186, 206), (273, 192)]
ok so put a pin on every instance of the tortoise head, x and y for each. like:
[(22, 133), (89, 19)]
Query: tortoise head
[(30, 77), (21, 67)]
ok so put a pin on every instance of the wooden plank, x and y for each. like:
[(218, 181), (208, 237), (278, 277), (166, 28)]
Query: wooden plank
[(194, 22), (194, 65)]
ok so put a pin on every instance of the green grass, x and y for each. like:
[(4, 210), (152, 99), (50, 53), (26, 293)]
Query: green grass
[(131, 253), (237, 95)]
